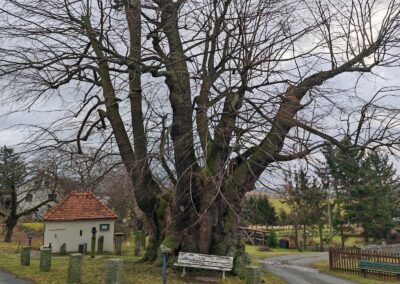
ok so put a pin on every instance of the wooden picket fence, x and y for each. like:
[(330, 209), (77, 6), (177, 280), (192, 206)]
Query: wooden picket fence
[(348, 259)]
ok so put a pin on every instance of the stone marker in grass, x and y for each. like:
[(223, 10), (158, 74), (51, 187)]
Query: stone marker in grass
[(253, 275), (100, 244), (138, 243), (118, 243), (45, 259), (75, 268), (114, 271), (63, 249), (26, 256)]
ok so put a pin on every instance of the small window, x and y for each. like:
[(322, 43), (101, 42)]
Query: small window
[(52, 197), (80, 233), (29, 197), (104, 227)]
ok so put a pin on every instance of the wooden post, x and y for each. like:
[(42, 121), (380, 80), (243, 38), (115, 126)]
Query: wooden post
[(165, 251)]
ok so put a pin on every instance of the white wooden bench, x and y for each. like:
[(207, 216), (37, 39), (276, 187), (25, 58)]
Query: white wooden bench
[(204, 261)]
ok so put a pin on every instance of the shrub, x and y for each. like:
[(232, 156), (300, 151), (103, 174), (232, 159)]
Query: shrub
[(272, 240)]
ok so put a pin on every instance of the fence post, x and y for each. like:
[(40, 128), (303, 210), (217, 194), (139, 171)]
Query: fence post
[(330, 258), (165, 251)]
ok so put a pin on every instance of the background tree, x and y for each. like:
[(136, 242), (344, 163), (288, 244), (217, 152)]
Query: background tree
[(14, 186), (369, 202), (258, 210), (363, 182)]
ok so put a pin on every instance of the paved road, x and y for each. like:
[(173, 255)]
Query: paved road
[(295, 269), (7, 278)]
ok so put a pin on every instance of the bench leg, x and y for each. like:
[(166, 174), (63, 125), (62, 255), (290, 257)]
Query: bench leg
[(364, 271), (183, 272), (223, 274)]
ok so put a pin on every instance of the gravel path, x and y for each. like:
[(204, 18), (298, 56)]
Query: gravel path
[(8, 278), (296, 269)]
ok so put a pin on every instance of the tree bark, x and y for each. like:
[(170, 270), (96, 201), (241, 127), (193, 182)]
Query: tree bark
[(12, 218), (321, 237)]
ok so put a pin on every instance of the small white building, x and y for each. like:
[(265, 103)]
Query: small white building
[(72, 220)]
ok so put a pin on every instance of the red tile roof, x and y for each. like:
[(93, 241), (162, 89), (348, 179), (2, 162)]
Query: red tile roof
[(79, 206)]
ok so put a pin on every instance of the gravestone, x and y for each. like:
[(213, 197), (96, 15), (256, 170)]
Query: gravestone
[(138, 243), (118, 243), (75, 268), (63, 249), (253, 275), (114, 271), (100, 244), (45, 259), (26, 256)]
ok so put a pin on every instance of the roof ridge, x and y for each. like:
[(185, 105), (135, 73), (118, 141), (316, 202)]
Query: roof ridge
[(74, 207)]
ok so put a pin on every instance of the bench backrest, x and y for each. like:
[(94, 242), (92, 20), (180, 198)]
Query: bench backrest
[(205, 260), (383, 266)]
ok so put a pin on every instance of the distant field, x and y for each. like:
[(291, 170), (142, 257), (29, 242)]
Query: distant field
[(35, 226), (278, 204)]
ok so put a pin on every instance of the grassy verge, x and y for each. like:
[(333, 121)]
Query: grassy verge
[(134, 270), (324, 267), (93, 271), (257, 254)]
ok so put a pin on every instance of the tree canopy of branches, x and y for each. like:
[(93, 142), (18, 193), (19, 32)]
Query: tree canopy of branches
[(200, 98)]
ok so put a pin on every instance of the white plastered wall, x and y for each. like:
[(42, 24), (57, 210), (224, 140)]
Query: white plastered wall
[(61, 232)]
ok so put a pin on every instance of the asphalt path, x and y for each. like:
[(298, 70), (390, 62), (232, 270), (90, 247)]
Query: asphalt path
[(8, 278), (296, 269)]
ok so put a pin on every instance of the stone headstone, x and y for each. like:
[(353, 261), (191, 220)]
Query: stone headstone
[(45, 259), (93, 247), (118, 243), (75, 268), (253, 275), (100, 244), (114, 271), (26, 256), (138, 243), (63, 249)]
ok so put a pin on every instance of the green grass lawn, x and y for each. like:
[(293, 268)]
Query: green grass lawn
[(324, 267), (135, 271), (255, 253)]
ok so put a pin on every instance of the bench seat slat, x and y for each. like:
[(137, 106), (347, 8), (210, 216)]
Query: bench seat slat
[(203, 257), (204, 267), (204, 261), (211, 264), (379, 266)]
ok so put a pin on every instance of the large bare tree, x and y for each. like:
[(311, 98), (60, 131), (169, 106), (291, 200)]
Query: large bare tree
[(238, 86)]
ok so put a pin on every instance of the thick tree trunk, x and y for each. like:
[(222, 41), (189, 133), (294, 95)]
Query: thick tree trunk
[(11, 222), (321, 237), (342, 238)]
